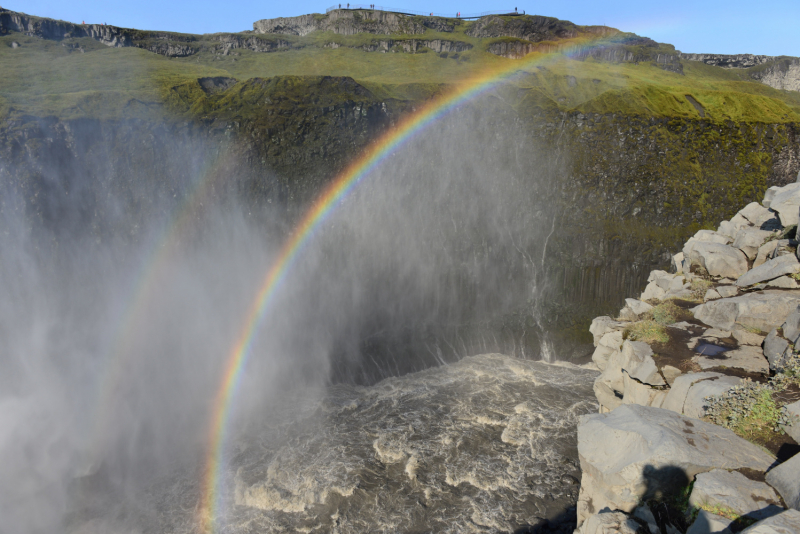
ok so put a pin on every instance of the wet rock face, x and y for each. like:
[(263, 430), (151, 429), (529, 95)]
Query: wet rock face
[(484, 445)]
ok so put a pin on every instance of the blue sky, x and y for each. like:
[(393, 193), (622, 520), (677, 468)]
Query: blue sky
[(726, 27)]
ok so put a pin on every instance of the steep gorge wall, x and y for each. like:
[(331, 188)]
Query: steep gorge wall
[(630, 188), (779, 72)]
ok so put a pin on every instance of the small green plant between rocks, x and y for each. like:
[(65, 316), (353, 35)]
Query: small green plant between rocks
[(648, 331), (699, 288), (653, 326), (751, 409)]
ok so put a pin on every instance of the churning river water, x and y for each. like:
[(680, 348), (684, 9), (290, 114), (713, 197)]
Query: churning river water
[(487, 444)]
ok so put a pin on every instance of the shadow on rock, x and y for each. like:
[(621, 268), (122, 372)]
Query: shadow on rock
[(564, 522)]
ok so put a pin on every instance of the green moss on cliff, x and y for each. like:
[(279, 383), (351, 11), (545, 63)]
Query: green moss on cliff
[(62, 78)]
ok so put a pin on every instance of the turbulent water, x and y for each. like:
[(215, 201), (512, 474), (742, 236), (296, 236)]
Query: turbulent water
[(484, 445)]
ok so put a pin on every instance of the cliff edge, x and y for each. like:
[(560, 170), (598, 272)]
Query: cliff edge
[(700, 387)]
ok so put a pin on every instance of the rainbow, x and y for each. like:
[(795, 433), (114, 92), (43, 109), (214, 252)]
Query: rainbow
[(210, 504), (139, 293)]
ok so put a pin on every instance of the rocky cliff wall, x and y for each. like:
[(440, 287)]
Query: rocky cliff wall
[(344, 22), (706, 359), (629, 188), (782, 74), (532, 28), (659, 55), (164, 43), (735, 61), (779, 72)]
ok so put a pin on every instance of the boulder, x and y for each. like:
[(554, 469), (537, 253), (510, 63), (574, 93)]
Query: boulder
[(636, 453), (786, 201), (730, 228), (638, 363), (770, 270), (602, 325), (610, 385), (749, 240), (653, 292), (608, 522), (696, 403), (791, 328), (676, 398), (764, 310), (633, 309), (748, 358), (662, 284), (764, 252), (635, 392), (783, 247), (769, 195), (710, 236), (747, 338), (708, 523), (677, 263), (776, 350), (609, 344), (732, 491), (783, 282), (717, 259), (670, 373), (711, 294), (786, 479), (761, 217), (727, 291), (793, 414), (787, 522)]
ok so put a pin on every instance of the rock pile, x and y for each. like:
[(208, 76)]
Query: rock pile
[(715, 341)]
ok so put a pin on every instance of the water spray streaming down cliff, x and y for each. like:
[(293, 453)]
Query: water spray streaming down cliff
[(122, 294)]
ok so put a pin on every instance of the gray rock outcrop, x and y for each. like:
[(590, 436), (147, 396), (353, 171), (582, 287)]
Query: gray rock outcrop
[(792, 412), (779, 72), (747, 358), (750, 239), (786, 202), (786, 479), (791, 328), (603, 325), (733, 491), (787, 522), (776, 349), (696, 401), (763, 310), (634, 309), (343, 22), (770, 270), (717, 259), (636, 452)]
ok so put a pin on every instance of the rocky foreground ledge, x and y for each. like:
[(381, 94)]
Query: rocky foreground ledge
[(700, 388)]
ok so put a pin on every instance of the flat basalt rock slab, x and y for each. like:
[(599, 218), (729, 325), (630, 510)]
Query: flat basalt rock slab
[(747, 358), (635, 452)]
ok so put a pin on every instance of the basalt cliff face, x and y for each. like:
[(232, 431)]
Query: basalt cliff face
[(780, 72)]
